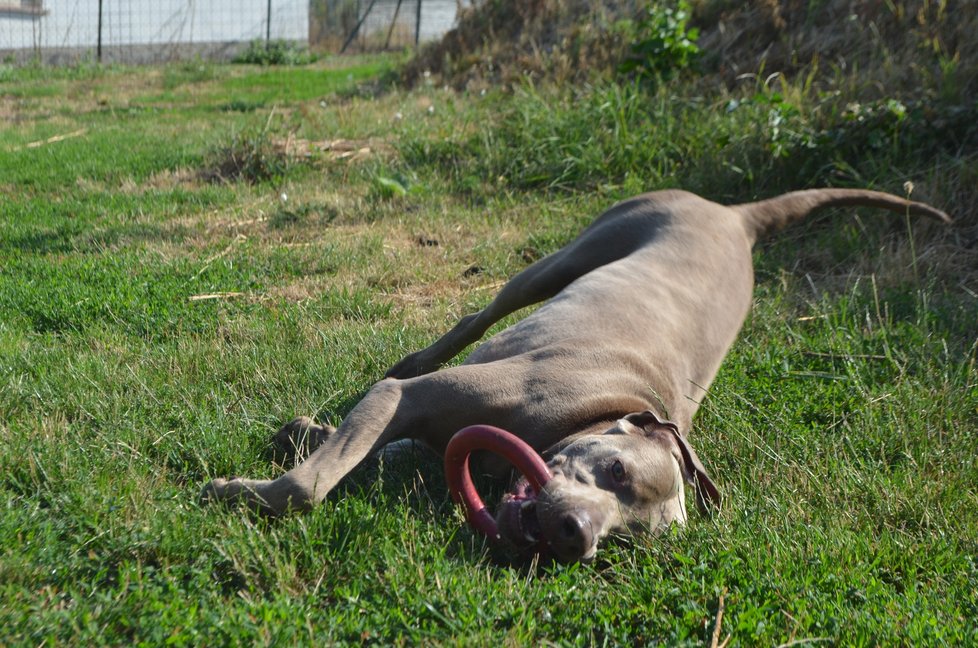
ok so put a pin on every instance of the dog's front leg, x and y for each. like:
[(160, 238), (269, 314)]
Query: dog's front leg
[(368, 427)]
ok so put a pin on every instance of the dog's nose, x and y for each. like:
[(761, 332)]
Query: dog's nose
[(574, 536)]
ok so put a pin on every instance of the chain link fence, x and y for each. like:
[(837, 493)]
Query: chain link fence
[(152, 31)]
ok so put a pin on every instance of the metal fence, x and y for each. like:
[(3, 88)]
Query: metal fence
[(149, 31), (369, 25)]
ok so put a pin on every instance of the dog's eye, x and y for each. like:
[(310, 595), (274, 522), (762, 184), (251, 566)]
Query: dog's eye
[(618, 471)]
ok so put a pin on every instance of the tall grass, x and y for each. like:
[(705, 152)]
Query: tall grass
[(580, 138)]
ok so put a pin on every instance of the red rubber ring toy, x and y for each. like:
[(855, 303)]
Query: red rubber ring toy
[(507, 445)]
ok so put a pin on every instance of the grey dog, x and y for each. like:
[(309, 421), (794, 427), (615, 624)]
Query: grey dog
[(603, 379)]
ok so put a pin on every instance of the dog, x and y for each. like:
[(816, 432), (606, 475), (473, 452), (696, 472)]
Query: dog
[(603, 379)]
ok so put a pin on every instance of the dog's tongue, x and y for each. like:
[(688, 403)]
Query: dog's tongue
[(516, 516), (521, 490)]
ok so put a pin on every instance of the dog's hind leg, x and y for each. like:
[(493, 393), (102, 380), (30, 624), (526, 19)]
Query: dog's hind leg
[(298, 438), (613, 236)]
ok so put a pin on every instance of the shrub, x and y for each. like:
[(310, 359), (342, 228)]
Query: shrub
[(276, 52), (662, 43)]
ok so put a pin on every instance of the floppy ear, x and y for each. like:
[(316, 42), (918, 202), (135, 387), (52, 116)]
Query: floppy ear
[(707, 494)]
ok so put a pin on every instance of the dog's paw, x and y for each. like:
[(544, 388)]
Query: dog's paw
[(411, 366), (214, 492), (258, 496), (298, 438), (229, 491)]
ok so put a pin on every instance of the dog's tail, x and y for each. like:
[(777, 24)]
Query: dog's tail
[(767, 215)]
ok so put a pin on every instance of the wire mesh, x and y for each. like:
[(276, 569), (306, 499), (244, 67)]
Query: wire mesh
[(145, 31), (149, 31)]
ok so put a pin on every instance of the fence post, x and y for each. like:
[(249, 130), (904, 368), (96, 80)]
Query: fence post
[(268, 23), (417, 25), (390, 32), (98, 48), (356, 29)]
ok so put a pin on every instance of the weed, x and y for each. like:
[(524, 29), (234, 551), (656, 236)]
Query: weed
[(387, 188), (242, 105), (301, 215), (275, 52), (662, 44), (251, 156), (389, 184), (786, 129), (188, 72)]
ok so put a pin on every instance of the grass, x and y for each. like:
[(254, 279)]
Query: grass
[(158, 322)]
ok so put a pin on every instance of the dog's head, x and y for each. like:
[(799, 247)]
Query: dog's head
[(630, 479)]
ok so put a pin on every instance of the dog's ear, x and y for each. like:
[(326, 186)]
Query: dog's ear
[(707, 493), (651, 424), (648, 421)]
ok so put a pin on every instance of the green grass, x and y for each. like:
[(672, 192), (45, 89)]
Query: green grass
[(158, 323)]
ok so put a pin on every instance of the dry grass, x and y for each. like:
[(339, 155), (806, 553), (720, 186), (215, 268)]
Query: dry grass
[(899, 46), (905, 45), (166, 180), (502, 42)]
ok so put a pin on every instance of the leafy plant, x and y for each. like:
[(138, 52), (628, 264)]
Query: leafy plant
[(392, 185), (275, 52), (786, 127), (663, 43)]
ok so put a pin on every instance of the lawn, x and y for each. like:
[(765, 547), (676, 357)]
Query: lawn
[(192, 255)]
